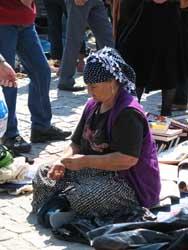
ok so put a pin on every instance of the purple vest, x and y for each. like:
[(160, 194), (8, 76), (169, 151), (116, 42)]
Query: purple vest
[(144, 177)]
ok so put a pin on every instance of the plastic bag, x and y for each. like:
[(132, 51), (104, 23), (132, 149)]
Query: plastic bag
[(171, 234), (3, 114)]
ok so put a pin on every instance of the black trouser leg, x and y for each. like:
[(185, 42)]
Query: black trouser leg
[(167, 100), (55, 10), (181, 97)]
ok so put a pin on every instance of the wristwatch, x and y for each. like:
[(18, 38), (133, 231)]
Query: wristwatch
[(2, 59)]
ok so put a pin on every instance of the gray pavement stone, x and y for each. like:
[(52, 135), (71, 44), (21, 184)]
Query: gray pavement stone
[(38, 239), (6, 235), (18, 226), (18, 243), (3, 248)]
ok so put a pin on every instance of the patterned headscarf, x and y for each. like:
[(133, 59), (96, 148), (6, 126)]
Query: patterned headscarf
[(106, 64)]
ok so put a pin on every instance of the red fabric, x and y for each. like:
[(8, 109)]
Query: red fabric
[(13, 12)]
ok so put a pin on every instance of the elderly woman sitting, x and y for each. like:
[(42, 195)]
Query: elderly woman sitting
[(111, 163)]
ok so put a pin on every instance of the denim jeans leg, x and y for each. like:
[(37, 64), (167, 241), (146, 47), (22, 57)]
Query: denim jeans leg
[(8, 42), (76, 24), (34, 61)]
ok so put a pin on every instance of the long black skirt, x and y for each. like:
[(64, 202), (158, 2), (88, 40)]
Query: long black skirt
[(88, 191), (154, 47)]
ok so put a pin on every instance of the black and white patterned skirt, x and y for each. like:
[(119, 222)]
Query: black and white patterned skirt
[(89, 190)]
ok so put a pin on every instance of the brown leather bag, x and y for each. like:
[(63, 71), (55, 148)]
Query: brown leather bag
[(183, 4)]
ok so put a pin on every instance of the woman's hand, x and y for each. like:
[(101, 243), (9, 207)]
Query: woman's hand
[(56, 172), (74, 163), (80, 2)]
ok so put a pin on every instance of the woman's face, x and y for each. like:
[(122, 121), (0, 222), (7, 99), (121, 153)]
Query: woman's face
[(102, 91)]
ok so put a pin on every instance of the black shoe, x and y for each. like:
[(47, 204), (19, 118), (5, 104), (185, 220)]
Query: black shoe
[(71, 88), (51, 134), (17, 144)]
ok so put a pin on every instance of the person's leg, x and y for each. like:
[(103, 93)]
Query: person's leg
[(76, 23), (64, 28), (181, 97), (100, 24), (11, 139), (81, 56), (109, 11), (35, 63), (55, 10), (8, 43), (167, 100), (101, 194)]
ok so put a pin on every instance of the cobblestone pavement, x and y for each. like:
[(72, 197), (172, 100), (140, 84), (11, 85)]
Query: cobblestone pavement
[(18, 226)]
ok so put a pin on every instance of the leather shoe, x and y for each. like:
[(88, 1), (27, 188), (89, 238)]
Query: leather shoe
[(17, 144), (70, 88), (50, 134)]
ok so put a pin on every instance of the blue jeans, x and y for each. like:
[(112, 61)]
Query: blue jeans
[(24, 41)]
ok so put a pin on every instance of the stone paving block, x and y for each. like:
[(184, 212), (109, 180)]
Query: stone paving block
[(52, 149), (18, 244), (16, 214), (68, 246), (38, 239), (22, 202), (72, 118), (58, 144), (4, 219), (61, 247), (18, 228), (67, 125), (3, 203), (6, 235), (55, 244), (3, 247)]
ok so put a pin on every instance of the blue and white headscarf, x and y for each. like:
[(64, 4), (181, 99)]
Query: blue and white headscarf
[(106, 64)]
